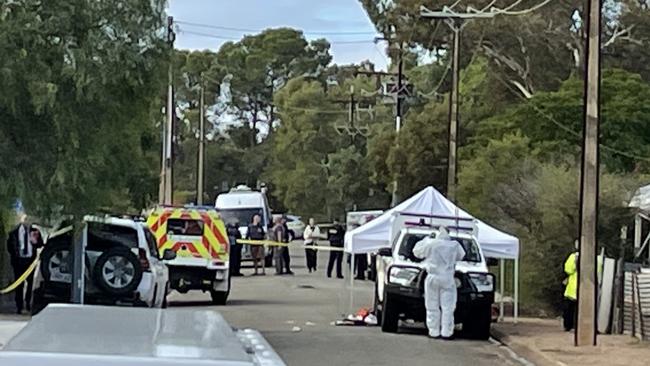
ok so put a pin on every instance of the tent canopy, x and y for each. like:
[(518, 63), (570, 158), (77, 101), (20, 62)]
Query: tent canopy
[(377, 233)]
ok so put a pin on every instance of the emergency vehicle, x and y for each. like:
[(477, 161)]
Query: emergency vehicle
[(198, 237)]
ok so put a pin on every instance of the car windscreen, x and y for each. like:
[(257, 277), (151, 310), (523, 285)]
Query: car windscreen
[(472, 253), (244, 216)]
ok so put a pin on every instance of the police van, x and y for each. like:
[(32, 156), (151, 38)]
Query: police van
[(198, 237), (399, 286)]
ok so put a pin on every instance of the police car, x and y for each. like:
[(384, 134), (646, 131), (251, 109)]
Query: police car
[(399, 286)]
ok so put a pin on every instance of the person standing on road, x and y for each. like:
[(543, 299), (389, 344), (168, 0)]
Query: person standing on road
[(311, 233), (571, 289), (22, 243), (285, 251), (278, 235), (234, 234), (335, 235), (440, 256), (256, 232)]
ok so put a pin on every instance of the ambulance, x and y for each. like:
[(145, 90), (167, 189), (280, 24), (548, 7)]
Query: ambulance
[(198, 237)]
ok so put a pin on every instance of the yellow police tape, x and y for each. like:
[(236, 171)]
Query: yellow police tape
[(22, 278), (272, 243)]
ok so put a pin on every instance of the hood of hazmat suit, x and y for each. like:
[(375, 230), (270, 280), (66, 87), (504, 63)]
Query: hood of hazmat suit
[(440, 255)]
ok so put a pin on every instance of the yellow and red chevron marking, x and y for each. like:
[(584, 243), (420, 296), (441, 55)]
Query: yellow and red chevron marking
[(213, 244)]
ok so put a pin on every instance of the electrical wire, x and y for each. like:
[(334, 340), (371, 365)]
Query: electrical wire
[(506, 11), (567, 129), (235, 29), (358, 41)]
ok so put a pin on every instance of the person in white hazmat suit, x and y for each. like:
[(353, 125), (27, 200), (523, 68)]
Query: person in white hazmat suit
[(440, 255)]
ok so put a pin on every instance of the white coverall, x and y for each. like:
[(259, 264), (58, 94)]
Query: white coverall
[(440, 256)]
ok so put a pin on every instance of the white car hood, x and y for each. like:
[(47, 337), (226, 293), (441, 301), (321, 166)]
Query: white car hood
[(461, 266)]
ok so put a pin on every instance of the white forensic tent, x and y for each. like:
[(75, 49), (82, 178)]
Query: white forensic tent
[(378, 233)]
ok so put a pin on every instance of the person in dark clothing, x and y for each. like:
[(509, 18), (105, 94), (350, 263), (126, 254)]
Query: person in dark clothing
[(285, 251), (278, 234), (22, 243), (256, 232), (232, 230), (335, 236), (361, 264)]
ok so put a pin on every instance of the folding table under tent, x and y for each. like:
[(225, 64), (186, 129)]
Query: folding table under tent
[(378, 233)]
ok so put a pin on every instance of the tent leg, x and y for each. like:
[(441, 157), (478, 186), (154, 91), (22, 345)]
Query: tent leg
[(502, 275), (352, 265), (516, 304)]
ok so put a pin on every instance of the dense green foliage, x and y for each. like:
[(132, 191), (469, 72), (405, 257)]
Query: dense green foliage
[(80, 117)]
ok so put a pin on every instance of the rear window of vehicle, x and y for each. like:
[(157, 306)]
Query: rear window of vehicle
[(472, 253), (104, 234), (185, 227)]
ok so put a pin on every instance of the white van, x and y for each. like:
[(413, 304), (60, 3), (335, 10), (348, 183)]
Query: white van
[(242, 203)]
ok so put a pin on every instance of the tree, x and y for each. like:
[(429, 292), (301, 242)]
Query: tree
[(301, 147), (78, 101), (260, 65)]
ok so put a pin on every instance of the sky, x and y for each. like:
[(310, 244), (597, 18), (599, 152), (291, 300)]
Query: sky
[(311, 16)]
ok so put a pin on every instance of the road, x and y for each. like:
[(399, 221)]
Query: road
[(295, 314)]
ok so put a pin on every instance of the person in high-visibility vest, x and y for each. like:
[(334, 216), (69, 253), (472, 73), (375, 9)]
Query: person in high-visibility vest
[(571, 289)]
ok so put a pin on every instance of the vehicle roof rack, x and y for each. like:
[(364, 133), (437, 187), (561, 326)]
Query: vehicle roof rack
[(452, 223)]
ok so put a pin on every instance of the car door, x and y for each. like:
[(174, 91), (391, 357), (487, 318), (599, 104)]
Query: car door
[(158, 268)]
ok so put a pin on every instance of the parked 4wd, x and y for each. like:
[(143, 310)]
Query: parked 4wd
[(122, 266), (399, 287)]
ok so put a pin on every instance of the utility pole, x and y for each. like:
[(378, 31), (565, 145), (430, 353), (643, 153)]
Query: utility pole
[(201, 166), (455, 21), (351, 129), (586, 327), (165, 191)]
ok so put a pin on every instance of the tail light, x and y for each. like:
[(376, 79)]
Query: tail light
[(144, 262)]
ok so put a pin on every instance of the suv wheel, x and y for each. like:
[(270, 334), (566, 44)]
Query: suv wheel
[(378, 305), (390, 314), (117, 271), (478, 327), (56, 263)]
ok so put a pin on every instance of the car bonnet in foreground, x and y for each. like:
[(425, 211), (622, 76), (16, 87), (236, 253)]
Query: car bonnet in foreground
[(74, 335)]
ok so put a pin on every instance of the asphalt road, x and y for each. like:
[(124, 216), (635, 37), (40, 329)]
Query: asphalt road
[(295, 314)]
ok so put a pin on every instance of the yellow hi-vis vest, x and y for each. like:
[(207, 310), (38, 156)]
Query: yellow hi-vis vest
[(571, 269)]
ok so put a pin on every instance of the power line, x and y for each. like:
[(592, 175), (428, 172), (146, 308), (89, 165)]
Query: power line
[(568, 129), (235, 29), (357, 41)]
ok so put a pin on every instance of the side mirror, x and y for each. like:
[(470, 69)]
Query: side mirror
[(385, 252), (169, 255), (492, 262)]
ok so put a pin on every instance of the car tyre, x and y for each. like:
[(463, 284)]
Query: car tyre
[(123, 265), (378, 305), (56, 256), (219, 297), (390, 314), (478, 327)]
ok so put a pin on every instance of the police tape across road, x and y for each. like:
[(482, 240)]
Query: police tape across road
[(271, 243), (22, 278), (268, 243)]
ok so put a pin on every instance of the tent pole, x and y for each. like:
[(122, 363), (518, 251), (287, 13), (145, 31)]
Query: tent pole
[(502, 275), (352, 265), (516, 304)]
